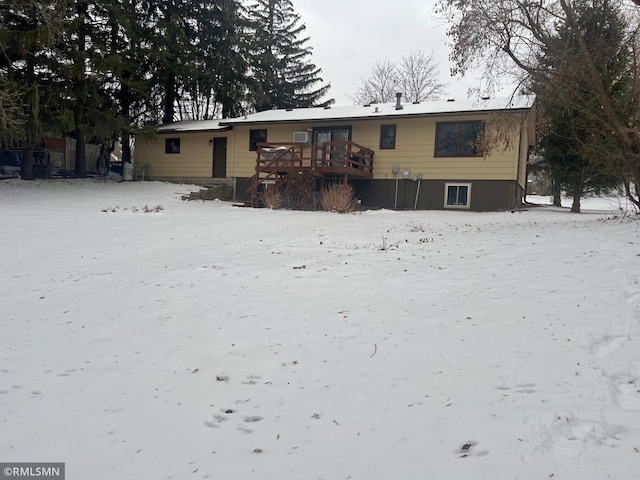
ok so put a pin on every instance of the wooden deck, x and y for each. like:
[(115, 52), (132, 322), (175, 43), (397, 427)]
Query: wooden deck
[(336, 160)]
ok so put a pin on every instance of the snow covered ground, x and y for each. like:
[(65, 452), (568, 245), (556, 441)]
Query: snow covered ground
[(607, 205), (203, 340)]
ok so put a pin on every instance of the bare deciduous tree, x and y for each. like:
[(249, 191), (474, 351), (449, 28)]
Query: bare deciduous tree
[(418, 77), (380, 86), (415, 76)]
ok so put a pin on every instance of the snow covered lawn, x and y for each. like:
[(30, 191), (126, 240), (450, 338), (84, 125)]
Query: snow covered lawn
[(203, 340)]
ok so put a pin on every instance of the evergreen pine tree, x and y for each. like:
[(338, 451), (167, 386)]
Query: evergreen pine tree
[(577, 152), (282, 75), (217, 81), (86, 77), (199, 66), (28, 31), (124, 57)]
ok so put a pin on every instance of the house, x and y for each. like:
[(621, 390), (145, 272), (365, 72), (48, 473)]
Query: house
[(406, 156), (54, 156)]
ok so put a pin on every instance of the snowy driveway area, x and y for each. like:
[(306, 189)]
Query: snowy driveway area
[(194, 340)]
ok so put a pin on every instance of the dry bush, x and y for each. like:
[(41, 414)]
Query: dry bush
[(299, 191), (156, 209), (337, 197), (272, 197)]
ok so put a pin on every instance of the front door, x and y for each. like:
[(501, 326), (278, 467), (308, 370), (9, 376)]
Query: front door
[(220, 157)]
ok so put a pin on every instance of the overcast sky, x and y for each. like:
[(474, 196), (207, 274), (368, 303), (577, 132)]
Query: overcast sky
[(348, 36)]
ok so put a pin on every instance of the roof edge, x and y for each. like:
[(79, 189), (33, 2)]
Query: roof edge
[(239, 122), (224, 128)]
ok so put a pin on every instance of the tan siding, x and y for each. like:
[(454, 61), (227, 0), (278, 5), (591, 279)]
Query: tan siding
[(195, 159), (230, 148), (522, 163), (415, 145), (415, 148)]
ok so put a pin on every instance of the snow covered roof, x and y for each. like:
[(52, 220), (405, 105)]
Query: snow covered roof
[(382, 110), (193, 126)]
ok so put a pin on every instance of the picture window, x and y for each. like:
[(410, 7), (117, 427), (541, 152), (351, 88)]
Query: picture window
[(458, 139)]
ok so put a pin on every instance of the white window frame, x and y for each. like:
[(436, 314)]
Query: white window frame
[(457, 184)]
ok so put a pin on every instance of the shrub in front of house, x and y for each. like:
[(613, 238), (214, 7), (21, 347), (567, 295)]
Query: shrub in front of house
[(298, 191), (272, 197), (337, 197)]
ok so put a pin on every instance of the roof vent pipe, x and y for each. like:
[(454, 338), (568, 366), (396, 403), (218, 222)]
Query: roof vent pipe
[(398, 101)]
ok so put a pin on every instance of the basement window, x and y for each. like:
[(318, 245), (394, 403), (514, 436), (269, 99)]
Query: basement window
[(172, 145), (457, 195)]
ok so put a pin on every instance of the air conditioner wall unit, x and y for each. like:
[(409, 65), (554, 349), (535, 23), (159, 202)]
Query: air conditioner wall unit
[(301, 137)]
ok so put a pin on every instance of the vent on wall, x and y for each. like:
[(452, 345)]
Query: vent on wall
[(301, 137)]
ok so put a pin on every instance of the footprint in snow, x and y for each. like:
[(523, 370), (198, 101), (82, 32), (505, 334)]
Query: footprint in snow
[(216, 421), (633, 298), (629, 395), (526, 388), (521, 388), (570, 437), (251, 380), (607, 344), (468, 449)]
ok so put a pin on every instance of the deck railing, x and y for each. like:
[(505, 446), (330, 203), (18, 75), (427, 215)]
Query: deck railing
[(331, 157)]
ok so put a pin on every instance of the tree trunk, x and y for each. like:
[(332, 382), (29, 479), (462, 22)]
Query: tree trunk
[(169, 97), (126, 147), (32, 101), (81, 159), (577, 196), (125, 101), (557, 193), (635, 199), (79, 77), (575, 206), (26, 166), (170, 73)]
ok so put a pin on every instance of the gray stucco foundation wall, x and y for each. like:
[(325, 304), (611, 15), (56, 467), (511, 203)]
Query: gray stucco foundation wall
[(486, 195), (241, 193)]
